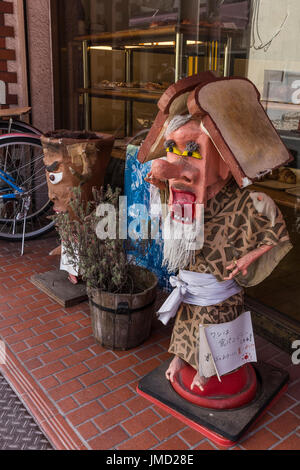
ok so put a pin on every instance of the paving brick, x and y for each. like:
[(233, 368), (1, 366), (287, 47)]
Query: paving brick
[(112, 417), (90, 393), (60, 342), (23, 325), (296, 410), (33, 364), (5, 332), (191, 436), (118, 380), (9, 322), (33, 352), (64, 330), (261, 440), (146, 367), (76, 358), (82, 344), (124, 363), (75, 317), (283, 404), (55, 355), (40, 339), (95, 376), (205, 445), (175, 443), (65, 390), (284, 424), (100, 360), (47, 370), (47, 317), (290, 443), (88, 430), (166, 428), (19, 347), (42, 328), (294, 391), (117, 397), (143, 441), (85, 413), (67, 404), (49, 382), (137, 404), (109, 439), (20, 336), (38, 305), (71, 373), (83, 332), (140, 422), (149, 352), (4, 307)]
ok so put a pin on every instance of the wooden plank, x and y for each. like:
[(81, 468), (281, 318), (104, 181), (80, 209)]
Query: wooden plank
[(191, 31), (126, 93), (12, 112), (57, 286)]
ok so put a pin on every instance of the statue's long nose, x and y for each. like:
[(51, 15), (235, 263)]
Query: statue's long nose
[(164, 170)]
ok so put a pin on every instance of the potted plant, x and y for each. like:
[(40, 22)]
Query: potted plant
[(121, 294)]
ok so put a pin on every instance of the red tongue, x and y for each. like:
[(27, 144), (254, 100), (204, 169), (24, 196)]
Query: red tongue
[(182, 197)]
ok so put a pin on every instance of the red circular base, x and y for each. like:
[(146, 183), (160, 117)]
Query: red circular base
[(236, 389)]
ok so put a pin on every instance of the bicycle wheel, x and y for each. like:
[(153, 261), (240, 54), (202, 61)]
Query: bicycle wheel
[(18, 127), (21, 158)]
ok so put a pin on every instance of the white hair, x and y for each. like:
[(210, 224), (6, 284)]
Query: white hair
[(177, 122), (180, 242)]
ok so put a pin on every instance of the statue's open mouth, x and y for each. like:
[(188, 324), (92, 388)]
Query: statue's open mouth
[(183, 206)]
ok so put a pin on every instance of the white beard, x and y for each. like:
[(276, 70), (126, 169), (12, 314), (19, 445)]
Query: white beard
[(180, 243)]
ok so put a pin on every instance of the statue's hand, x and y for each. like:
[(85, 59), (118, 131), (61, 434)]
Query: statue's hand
[(174, 367), (241, 265), (237, 267)]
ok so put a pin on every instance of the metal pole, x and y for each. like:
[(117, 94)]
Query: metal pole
[(86, 84), (178, 56), (128, 104), (227, 53)]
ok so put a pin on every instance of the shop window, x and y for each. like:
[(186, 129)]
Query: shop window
[(117, 58)]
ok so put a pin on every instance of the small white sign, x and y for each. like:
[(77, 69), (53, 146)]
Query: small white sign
[(231, 344)]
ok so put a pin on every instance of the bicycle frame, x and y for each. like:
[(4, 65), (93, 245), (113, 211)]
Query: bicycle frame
[(10, 181)]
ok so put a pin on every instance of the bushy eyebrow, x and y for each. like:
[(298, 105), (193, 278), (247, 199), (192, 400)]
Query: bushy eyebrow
[(169, 143), (53, 167)]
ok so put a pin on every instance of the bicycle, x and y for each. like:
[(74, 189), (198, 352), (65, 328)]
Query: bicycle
[(24, 203)]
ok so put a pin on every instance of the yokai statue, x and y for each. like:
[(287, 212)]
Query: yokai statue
[(74, 159), (210, 140)]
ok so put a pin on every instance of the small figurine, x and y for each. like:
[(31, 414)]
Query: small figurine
[(74, 159)]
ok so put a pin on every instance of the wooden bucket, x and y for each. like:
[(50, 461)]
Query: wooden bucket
[(123, 321)]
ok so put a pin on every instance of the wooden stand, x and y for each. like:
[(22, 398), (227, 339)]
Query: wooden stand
[(57, 286)]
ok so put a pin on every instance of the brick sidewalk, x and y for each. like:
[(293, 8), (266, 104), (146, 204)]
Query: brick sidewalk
[(83, 395)]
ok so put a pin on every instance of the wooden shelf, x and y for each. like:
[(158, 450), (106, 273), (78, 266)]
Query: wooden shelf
[(276, 105), (204, 33), (121, 94)]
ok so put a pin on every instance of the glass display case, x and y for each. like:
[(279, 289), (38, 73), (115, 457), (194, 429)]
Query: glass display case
[(152, 59)]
